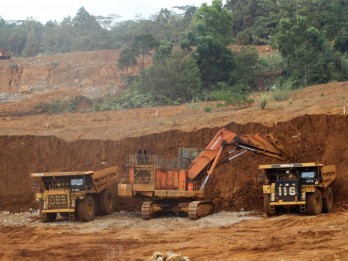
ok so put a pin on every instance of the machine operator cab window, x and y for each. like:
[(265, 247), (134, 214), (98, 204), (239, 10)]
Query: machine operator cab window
[(308, 177), (77, 184)]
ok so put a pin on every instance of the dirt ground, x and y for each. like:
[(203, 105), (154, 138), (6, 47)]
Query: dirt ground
[(311, 125), (222, 236)]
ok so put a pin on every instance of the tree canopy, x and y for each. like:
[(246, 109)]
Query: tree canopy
[(310, 35)]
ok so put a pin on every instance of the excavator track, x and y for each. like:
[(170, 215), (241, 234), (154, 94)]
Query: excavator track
[(146, 210), (198, 209)]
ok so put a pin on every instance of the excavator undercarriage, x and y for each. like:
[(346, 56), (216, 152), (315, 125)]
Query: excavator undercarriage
[(194, 209)]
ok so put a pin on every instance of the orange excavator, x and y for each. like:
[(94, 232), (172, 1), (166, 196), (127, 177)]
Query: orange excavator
[(178, 185)]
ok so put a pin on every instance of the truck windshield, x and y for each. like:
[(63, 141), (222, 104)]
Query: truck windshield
[(76, 184), (308, 175)]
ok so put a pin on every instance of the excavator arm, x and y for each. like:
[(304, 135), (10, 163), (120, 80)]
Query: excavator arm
[(208, 159)]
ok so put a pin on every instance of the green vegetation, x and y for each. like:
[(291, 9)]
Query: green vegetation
[(208, 109), (263, 100), (185, 55), (54, 65), (78, 103), (281, 91)]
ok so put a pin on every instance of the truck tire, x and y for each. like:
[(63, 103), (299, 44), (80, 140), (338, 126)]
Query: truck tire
[(97, 207), (267, 206), (328, 201), (106, 202), (314, 203), (86, 209), (50, 217), (64, 214)]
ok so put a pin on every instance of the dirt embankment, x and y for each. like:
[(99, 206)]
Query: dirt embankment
[(80, 69), (319, 138)]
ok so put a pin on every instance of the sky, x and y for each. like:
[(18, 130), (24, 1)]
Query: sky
[(46, 10)]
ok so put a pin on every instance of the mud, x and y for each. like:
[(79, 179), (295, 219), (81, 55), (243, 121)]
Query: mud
[(319, 138)]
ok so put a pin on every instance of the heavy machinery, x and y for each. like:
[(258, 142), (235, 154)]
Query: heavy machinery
[(81, 194), (177, 185), (4, 55), (305, 186)]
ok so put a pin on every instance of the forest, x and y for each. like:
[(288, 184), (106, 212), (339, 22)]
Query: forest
[(190, 48)]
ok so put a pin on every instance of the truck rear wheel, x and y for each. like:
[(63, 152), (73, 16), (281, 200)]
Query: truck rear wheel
[(328, 201), (267, 206), (86, 209), (314, 203), (50, 217), (106, 202)]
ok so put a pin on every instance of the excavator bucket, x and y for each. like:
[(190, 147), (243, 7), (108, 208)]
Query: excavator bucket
[(261, 145)]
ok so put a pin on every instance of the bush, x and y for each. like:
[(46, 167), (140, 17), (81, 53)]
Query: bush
[(54, 64), (271, 63), (244, 37), (231, 95), (78, 103), (281, 91), (208, 109), (13, 66), (280, 95), (263, 100)]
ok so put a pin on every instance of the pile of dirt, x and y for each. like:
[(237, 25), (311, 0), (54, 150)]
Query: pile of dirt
[(234, 186)]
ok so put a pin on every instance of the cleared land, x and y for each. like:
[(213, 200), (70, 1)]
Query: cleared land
[(311, 125)]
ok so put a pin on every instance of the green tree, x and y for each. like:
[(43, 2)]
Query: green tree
[(214, 59), (139, 49), (175, 79), (212, 27), (32, 45), (308, 56), (245, 71), (214, 21), (163, 52)]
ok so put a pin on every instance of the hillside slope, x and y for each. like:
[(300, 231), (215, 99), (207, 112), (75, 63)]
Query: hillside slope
[(324, 99)]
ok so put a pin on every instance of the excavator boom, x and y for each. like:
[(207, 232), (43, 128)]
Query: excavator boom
[(211, 156)]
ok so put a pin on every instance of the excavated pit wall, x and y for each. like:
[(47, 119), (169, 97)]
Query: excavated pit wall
[(320, 138)]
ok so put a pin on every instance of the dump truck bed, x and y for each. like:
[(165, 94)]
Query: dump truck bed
[(101, 179)]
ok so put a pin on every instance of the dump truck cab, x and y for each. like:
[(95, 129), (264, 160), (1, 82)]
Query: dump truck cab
[(305, 186)]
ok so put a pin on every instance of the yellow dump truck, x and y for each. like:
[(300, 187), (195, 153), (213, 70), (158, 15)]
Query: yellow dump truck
[(305, 186), (76, 194)]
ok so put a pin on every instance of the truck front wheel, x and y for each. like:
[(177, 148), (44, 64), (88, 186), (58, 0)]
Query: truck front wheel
[(314, 203), (328, 201), (106, 202), (86, 209), (50, 217)]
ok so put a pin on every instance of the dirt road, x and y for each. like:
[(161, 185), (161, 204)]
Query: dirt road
[(223, 236)]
